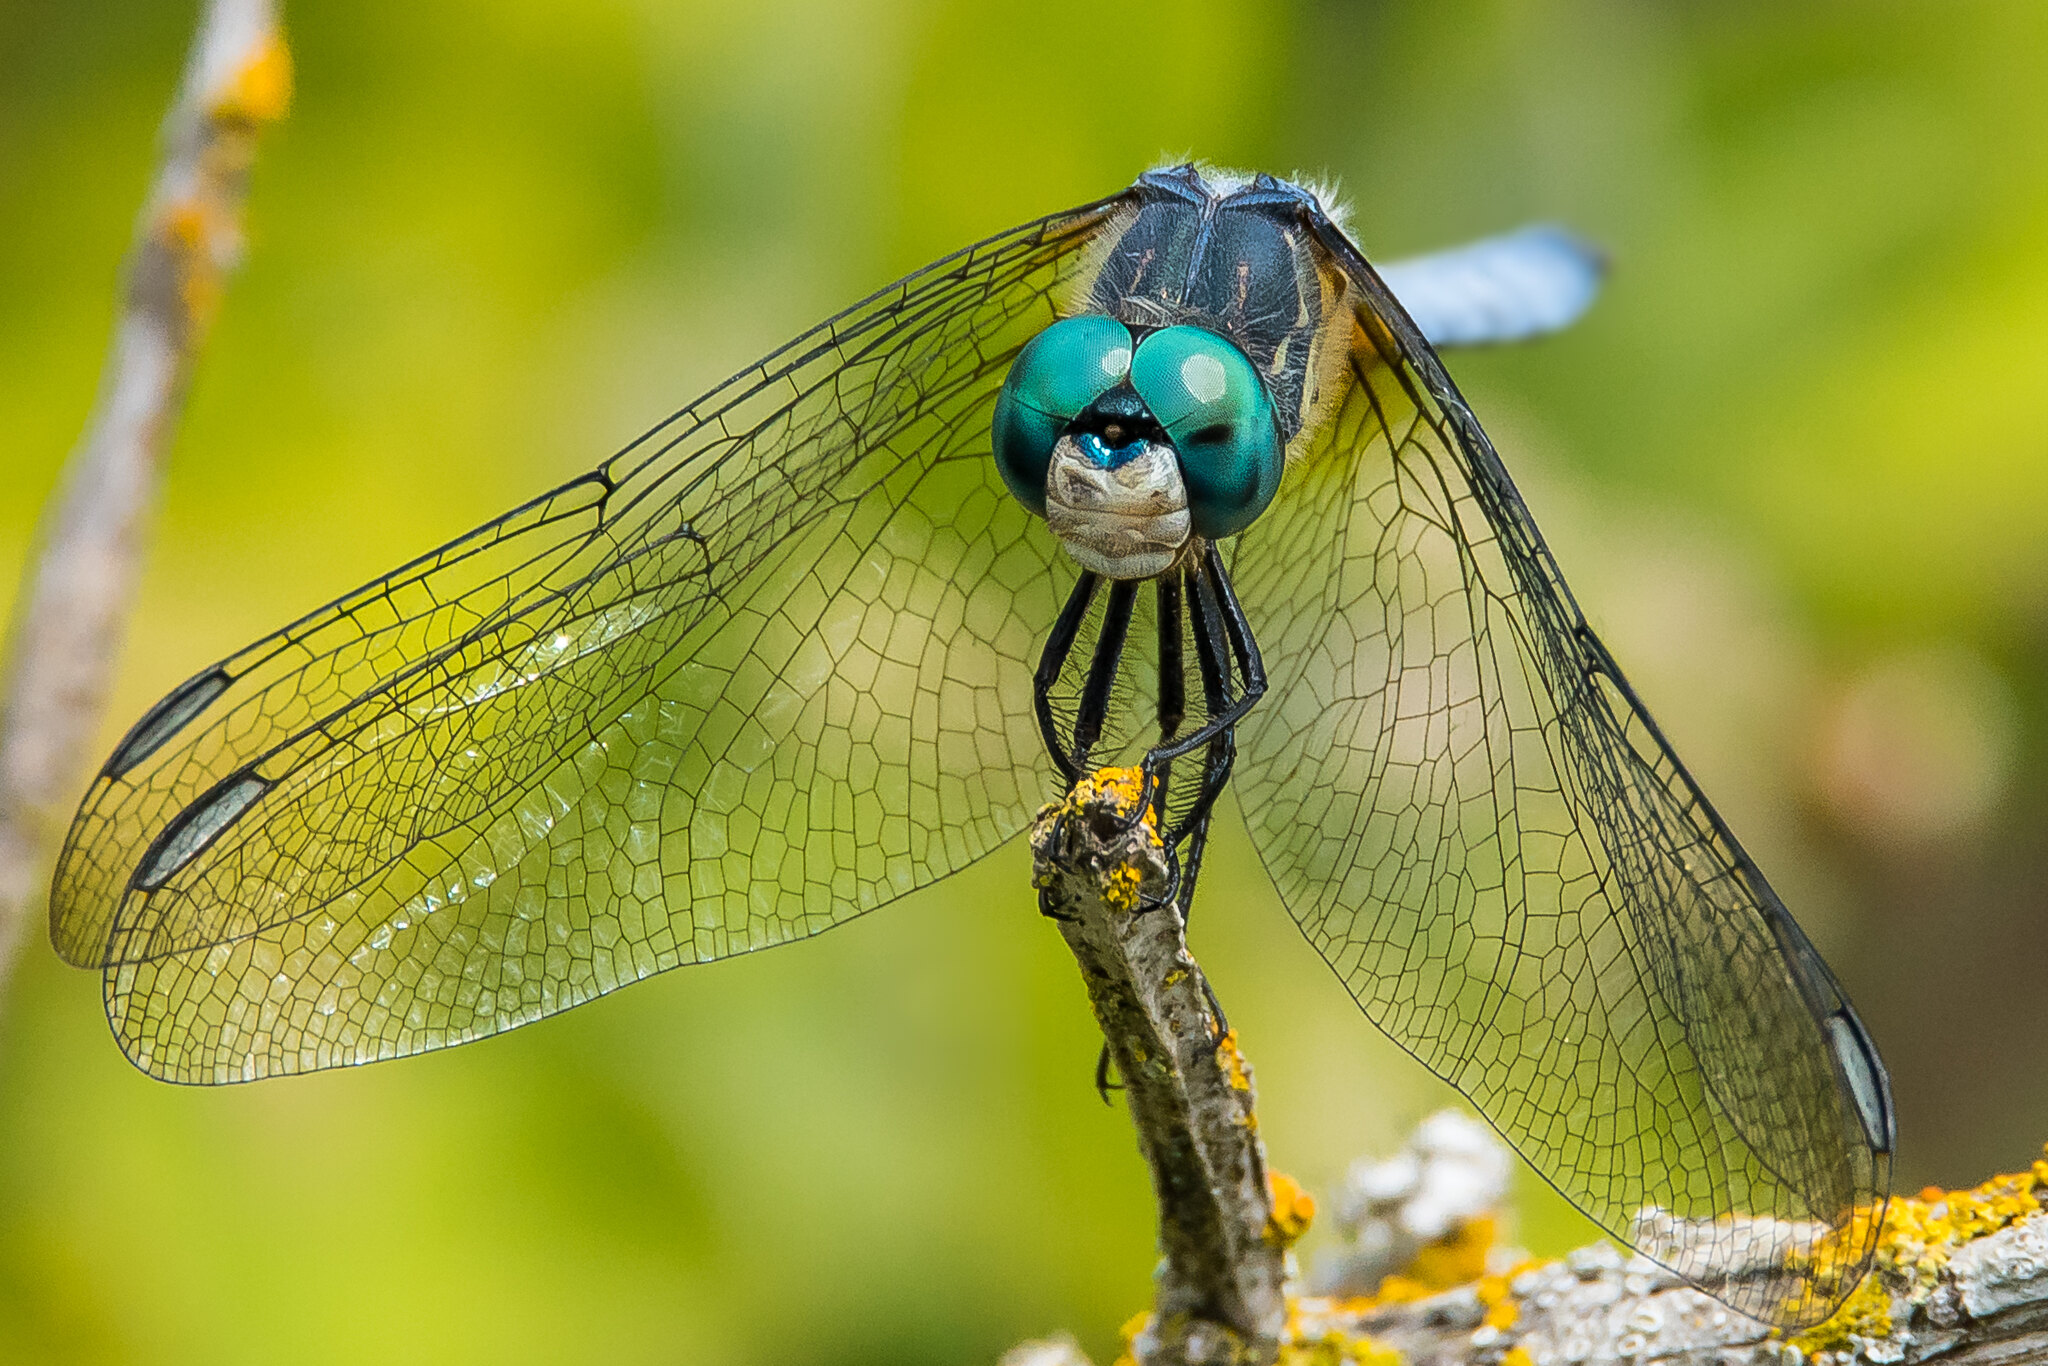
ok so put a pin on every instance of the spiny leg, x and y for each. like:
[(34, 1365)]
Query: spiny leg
[(1217, 640), (1172, 711), (1058, 646), (1212, 659), (1093, 711), (1173, 699), (1251, 667), (1198, 843), (1223, 637), (1109, 650)]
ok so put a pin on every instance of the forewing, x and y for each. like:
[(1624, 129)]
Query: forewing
[(1479, 827), (764, 670)]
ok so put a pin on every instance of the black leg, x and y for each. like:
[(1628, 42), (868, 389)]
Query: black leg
[(1191, 867), (1212, 656), (1109, 651), (1251, 667), (1217, 615), (1173, 694), (1058, 646), (1103, 1085), (1198, 841)]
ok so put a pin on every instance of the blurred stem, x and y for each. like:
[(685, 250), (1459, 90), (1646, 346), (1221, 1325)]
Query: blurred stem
[(1220, 1296), (66, 635)]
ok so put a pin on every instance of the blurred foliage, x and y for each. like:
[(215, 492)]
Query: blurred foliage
[(1796, 463)]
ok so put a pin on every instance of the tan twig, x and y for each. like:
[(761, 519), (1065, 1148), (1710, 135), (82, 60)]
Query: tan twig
[(1220, 1296), (68, 625)]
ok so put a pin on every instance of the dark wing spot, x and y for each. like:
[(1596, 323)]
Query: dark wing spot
[(1865, 1075), (197, 826), (166, 719)]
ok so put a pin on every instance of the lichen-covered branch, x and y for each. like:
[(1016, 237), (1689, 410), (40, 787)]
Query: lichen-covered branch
[(1189, 1091), (1961, 1278), (68, 624)]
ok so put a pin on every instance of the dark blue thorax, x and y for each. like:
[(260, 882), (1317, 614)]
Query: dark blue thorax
[(1239, 263)]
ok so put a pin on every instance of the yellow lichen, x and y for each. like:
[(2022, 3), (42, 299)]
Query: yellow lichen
[(1233, 1062), (1293, 1209), (1124, 786), (1331, 1346), (1327, 1350), (1134, 1325), (1120, 888), (1366, 1352), (1393, 1289), (1867, 1313), (260, 90), (190, 230), (1501, 1311), (1456, 1258), (1917, 1238)]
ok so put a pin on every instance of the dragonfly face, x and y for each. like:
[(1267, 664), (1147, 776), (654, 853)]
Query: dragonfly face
[(1132, 445), (1172, 476)]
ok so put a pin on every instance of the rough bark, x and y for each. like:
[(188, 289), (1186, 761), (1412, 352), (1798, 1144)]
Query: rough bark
[(70, 617), (1961, 1277), (1188, 1089)]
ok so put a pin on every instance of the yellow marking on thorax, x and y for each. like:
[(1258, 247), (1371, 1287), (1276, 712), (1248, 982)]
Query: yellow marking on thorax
[(1329, 368)]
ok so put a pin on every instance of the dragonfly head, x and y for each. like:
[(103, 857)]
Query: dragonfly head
[(1130, 447)]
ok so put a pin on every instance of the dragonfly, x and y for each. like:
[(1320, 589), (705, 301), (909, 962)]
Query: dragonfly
[(1174, 477)]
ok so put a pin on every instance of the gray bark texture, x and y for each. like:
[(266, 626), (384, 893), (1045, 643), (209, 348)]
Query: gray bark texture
[(1188, 1089), (70, 618), (1961, 1276)]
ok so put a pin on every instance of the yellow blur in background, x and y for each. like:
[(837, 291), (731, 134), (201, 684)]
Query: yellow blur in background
[(1795, 464)]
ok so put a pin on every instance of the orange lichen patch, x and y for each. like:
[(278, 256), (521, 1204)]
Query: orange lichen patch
[(1457, 1257), (260, 91), (184, 224), (1501, 1309), (1394, 1289), (1121, 888), (1865, 1314), (1233, 1062), (1309, 1339), (1124, 786), (1134, 1325), (1917, 1238), (190, 231), (1293, 1210), (1314, 1337), (1517, 1356), (1327, 1350), (1366, 1352)]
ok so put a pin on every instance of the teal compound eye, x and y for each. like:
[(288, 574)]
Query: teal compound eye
[(1058, 373), (1217, 413)]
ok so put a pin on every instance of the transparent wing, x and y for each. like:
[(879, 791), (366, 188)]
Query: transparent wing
[(1478, 826), (764, 670)]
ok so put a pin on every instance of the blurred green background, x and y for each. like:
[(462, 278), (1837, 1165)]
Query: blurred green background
[(1796, 463)]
